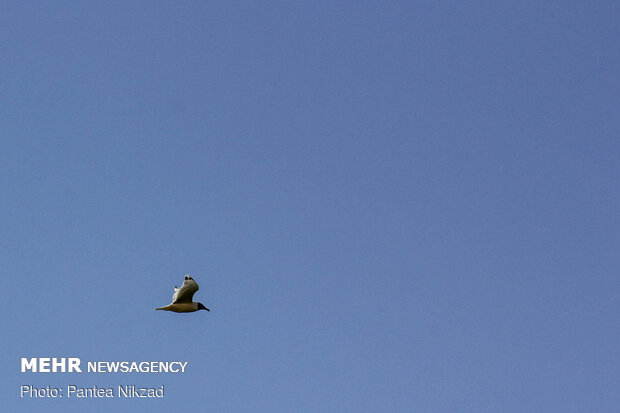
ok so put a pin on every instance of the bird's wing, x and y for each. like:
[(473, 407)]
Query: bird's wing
[(186, 292)]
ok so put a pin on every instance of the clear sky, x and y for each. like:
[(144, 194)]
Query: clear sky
[(389, 206)]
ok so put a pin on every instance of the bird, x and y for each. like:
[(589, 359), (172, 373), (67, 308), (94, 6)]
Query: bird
[(182, 298)]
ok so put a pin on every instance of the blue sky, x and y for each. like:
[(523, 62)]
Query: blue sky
[(389, 206)]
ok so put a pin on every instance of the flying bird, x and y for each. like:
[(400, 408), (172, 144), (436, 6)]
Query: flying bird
[(182, 298)]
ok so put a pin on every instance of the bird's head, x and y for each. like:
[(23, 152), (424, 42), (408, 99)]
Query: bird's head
[(188, 277), (202, 307)]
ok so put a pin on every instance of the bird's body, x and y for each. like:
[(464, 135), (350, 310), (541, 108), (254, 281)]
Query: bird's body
[(182, 298)]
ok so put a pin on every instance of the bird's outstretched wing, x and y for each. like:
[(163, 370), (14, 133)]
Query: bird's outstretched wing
[(186, 292)]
